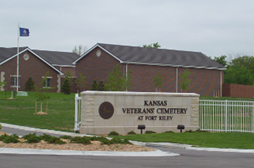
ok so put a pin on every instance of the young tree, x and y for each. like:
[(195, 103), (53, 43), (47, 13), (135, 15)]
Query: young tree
[(66, 88), (117, 80), (158, 81), (81, 81), (2, 83), (30, 85), (184, 81), (41, 92)]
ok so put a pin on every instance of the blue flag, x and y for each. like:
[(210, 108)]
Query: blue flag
[(23, 31)]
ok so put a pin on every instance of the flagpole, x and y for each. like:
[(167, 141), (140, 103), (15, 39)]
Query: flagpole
[(18, 61)]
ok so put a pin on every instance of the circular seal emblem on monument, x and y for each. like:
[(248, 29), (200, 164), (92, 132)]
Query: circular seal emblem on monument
[(106, 110)]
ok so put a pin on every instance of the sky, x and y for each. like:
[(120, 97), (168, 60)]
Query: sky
[(213, 27)]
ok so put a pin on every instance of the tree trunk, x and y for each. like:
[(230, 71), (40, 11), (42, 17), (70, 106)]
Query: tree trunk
[(41, 107)]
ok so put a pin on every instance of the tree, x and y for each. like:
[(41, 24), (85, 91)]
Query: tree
[(101, 86), (66, 88), (221, 60), (240, 71), (40, 92), (2, 83), (158, 81), (184, 81), (153, 45), (246, 61), (79, 50), (238, 74), (30, 85), (68, 76), (117, 81), (81, 81), (94, 85)]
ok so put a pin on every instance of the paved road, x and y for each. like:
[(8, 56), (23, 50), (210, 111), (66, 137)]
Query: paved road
[(188, 158)]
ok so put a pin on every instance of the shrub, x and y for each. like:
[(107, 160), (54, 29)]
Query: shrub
[(131, 133), (33, 139), (3, 136), (82, 140), (30, 85), (29, 135), (0, 126), (101, 86), (66, 88), (125, 141), (97, 138), (105, 141), (15, 135), (45, 137), (168, 132), (119, 141), (116, 141), (55, 140), (150, 132), (113, 133), (65, 137), (94, 85), (11, 139)]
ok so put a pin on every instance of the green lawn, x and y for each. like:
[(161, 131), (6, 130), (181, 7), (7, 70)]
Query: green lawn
[(21, 111), (225, 98), (200, 139)]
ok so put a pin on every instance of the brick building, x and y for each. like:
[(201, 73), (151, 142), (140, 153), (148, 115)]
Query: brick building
[(35, 64), (206, 75)]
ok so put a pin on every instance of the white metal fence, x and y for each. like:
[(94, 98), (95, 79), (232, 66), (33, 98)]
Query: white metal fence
[(226, 115), (77, 112)]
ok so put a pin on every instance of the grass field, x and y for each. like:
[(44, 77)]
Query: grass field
[(225, 98), (200, 139), (21, 111)]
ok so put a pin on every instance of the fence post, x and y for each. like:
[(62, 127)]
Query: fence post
[(226, 115), (76, 113), (252, 117)]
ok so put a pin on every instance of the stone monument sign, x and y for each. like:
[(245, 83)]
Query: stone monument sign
[(103, 112)]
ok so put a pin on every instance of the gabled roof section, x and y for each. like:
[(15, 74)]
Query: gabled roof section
[(160, 57), (57, 58), (51, 58), (8, 53), (88, 51)]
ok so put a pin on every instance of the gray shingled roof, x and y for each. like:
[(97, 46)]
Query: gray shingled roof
[(56, 57), (163, 57), (52, 57), (6, 53)]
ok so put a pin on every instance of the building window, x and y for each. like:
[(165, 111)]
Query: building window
[(14, 81), (47, 82)]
